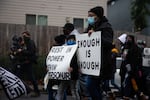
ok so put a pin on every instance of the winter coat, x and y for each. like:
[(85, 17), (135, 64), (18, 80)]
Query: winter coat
[(106, 42), (74, 65), (134, 58), (29, 53)]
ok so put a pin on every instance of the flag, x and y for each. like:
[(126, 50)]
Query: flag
[(12, 85)]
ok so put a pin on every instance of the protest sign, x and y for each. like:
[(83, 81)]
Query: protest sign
[(58, 61), (146, 57), (12, 85), (89, 53)]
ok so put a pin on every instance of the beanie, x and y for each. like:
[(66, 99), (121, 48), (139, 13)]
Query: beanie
[(69, 26), (98, 10), (60, 39)]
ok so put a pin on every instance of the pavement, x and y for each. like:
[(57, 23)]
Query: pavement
[(43, 96)]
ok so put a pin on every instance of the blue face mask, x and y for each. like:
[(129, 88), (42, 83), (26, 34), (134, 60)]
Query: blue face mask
[(71, 42), (91, 20)]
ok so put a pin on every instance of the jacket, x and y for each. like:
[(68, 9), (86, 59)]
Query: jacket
[(106, 42)]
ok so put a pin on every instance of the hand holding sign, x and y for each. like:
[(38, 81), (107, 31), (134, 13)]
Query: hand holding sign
[(89, 53), (58, 61)]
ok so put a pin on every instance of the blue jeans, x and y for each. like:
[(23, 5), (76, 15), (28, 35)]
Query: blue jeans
[(52, 93), (93, 86), (83, 86), (50, 90), (64, 84)]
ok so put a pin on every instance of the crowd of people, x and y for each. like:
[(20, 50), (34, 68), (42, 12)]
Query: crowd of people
[(82, 86)]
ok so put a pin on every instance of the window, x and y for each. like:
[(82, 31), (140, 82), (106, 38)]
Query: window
[(42, 20), (30, 19), (78, 23)]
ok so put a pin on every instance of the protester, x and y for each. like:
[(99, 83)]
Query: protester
[(73, 69), (98, 22), (29, 57), (133, 65), (145, 69), (114, 55), (69, 29), (59, 41), (122, 40), (15, 55)]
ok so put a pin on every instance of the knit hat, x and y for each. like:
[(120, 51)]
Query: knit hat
[(60, 39), (98, 10), (69, 26)]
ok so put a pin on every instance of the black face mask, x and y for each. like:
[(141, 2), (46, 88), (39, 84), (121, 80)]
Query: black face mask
[(129, 43), (26, 39), (66, 32)]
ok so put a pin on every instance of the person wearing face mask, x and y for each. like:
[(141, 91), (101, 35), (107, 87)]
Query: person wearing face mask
[(73, 69), (98, 22), (133, 59), (29, 55), (69, 29)]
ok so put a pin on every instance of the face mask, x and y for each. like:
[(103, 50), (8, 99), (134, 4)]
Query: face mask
[(91, 20), (26, 39), (71, 42)]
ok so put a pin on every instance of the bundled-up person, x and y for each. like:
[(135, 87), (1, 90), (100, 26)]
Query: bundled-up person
[(29, 58), (114, 55), (133, 60), (16, 57), (73, 69), (122, 40), (98, 22), (59, 41)]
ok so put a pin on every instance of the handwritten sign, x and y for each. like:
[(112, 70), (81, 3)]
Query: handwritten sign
[(58, 61), (89, 53)]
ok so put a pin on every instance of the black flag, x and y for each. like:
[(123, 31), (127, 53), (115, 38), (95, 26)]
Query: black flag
[(11, 84)]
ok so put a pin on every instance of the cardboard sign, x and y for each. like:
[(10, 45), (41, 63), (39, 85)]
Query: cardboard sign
[(58, 61), (89, 53), (146, 57)]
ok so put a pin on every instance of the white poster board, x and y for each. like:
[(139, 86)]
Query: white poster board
[(58, 61), (146, 57), (89, 53)]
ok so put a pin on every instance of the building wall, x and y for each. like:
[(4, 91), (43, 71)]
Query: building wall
[(14, 11)]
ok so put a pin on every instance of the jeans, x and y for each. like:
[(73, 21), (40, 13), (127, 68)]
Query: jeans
[(50, 90), (83, 86), (93, 86), (64, 84)]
